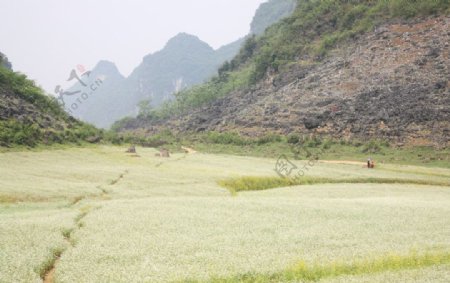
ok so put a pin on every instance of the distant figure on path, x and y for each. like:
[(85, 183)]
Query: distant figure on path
[(370, 163)]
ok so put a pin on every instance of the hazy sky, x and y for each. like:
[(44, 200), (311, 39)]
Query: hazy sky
[(46, 39)]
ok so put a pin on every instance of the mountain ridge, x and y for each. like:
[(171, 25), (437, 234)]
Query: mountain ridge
[(364, 82), (184, 61)]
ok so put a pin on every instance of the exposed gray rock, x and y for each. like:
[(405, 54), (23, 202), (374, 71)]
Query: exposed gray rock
[(391, 86)]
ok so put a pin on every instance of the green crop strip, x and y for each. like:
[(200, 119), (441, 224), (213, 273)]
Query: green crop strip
[(314, 272), (235, 185)]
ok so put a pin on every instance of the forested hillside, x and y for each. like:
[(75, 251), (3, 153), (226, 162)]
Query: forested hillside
[(332, 68), (28, 117)]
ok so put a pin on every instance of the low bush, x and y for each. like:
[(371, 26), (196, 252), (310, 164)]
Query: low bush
[(293, 139), (15, 132), (374, 146), (226, 138), (269, 138)]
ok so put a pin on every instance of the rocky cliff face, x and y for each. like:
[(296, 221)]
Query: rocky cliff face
[(392, 83), (14, 107)]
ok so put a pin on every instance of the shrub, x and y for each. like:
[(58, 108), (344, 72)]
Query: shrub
[(269, 138), (226, 138), (15, 132), (373, 146), (86, 131), (165, 137), (293, 139), (113, 138), (121, 124), (326, 144), (313, 141), (51, 136)]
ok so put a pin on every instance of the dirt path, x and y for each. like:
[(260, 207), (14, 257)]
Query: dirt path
[(348, 162), (188, 150), (49, 276)]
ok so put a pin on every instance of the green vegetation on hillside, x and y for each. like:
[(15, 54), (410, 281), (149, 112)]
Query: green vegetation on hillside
[(43, 121), (307, 35), (26, 89)]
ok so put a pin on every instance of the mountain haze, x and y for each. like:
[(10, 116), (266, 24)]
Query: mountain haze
[(97, 106), (4, 62), (269, 13), (185, 61)]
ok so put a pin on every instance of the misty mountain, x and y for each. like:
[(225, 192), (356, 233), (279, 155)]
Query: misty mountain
[(185, 61), (100, 97)]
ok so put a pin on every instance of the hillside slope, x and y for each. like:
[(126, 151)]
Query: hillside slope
[(29, 117), (390, 82)]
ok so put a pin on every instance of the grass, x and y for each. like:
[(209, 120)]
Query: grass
[(272, 145), (67, 232), (168, 219), (295, 147), (251, 183), (305, 272)]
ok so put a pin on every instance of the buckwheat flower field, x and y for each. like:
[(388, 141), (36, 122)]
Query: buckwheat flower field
[(100, 215)]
